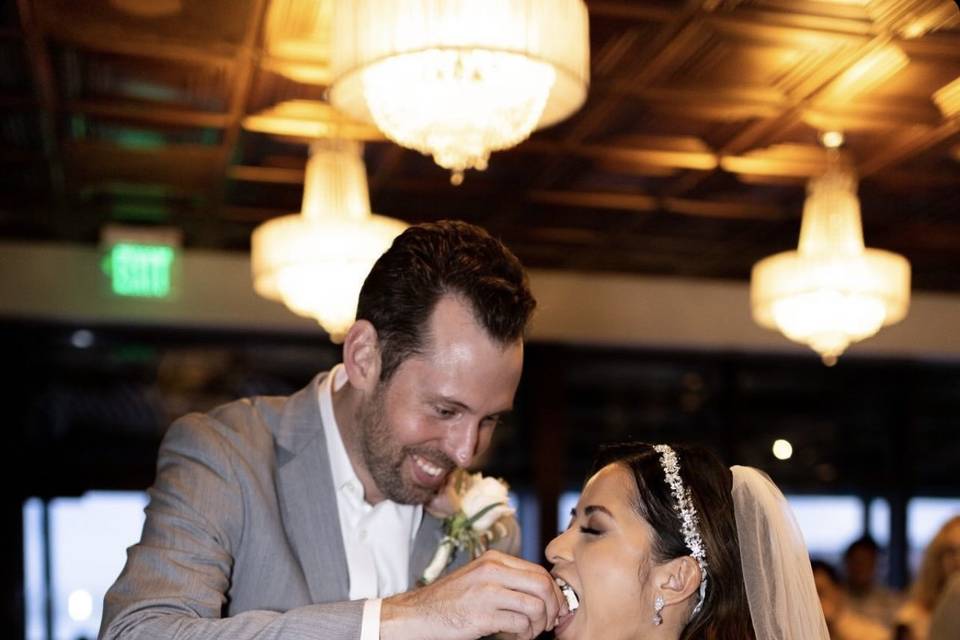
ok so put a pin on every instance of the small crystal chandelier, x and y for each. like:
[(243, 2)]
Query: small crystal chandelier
[(316, 261), (831, 291), (461, 78)]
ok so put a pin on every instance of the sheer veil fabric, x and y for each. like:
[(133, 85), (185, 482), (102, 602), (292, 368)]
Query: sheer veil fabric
[(776, 566)]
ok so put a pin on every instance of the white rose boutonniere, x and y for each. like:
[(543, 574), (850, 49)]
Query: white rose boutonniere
[(478, 504)]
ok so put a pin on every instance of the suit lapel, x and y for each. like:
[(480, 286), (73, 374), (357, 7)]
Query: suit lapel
[(425, 544), (308, 502)]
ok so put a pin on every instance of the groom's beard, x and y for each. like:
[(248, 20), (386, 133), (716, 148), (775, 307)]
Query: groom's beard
[(384, 456)]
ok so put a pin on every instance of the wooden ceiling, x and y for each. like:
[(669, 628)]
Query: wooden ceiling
[(689, 158)]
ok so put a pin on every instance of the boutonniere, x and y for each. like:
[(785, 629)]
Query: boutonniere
[(477, 503)]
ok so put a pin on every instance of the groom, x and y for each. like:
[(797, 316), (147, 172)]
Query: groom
[(312, 516)]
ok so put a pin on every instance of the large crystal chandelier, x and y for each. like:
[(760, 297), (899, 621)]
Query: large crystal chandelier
[(831, 291), (461, 78), (316, 261)]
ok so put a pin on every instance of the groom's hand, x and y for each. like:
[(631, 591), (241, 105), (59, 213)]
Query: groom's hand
[(495, 593)]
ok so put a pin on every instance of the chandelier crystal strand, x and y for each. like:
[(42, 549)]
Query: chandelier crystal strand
[(832, 291), (461, 78), (316, 261)]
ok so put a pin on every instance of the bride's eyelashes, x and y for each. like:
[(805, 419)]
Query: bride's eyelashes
[(586, 529)]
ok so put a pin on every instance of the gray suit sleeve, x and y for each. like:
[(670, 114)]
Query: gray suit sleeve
[(176, 579)]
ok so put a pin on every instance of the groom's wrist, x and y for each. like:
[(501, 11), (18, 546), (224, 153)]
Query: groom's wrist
[(398, 619)]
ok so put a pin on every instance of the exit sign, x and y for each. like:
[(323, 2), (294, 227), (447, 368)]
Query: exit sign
[(141, 262), (141, 270)]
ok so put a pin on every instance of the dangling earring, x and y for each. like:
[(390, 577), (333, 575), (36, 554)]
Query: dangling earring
[(657, 608)]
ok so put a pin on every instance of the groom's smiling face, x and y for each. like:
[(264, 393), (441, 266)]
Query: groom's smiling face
[(439, 409)]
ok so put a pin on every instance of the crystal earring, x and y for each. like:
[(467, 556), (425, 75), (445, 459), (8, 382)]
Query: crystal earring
[(657, 608)]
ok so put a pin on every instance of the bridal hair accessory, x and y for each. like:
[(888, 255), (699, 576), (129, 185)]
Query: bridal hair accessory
[(683, 506), (657, 608), (479, 503)]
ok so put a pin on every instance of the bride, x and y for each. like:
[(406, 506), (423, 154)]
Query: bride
[(666, 542)]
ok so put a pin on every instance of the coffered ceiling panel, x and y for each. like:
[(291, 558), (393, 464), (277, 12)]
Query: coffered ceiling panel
[(689, 158)]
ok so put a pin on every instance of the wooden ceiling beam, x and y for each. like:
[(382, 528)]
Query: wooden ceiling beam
[(793, 20), (46, 90), (149, 113), (792, 26), (249, 215), (757, 134), (910, 143), (667, 45), (729, 210), (275, 175), (911, 180), (676, 158), (734, 105), (114, 42), (244, 67), (630, 11)]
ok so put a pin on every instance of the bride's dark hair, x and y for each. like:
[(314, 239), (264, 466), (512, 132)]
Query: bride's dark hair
[(725, 614)]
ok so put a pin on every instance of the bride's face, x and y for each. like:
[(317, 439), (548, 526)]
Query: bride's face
[(605, 556)]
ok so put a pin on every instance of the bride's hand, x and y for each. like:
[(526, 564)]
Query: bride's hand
[(496, 593)]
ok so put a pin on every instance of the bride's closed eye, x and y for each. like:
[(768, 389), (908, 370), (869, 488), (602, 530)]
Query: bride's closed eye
[(593, 514), (583, 529)]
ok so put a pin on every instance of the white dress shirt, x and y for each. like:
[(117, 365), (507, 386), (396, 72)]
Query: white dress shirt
[(377, 539)]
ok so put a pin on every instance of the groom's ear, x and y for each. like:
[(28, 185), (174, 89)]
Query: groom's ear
[(361, 355), (679, 579)]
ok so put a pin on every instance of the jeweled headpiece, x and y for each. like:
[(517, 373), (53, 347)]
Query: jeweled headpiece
[(683, 506)]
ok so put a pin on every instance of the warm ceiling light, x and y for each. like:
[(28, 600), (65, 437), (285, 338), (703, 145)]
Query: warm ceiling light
[(308, 119), (832, 139), (459, 79), (782, 449), (316, 261), (831, 291), (296, 38)]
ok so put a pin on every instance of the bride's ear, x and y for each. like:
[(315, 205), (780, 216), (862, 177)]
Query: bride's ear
[(679, 579)]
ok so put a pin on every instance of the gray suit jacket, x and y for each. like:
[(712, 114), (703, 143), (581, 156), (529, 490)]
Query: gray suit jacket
[(242, 537)]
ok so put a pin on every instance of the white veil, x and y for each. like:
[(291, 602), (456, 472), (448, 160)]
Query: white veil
[(776, 566)]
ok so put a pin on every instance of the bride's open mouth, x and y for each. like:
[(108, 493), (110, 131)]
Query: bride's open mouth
[(573, 603)]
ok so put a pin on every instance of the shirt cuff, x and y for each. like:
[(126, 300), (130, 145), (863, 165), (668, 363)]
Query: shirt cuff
[(370, 624)]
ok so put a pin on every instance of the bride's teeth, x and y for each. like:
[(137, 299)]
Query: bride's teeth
[(573, 602)]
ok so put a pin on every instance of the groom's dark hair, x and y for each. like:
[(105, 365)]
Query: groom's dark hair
[(429, 261), (725, 613)]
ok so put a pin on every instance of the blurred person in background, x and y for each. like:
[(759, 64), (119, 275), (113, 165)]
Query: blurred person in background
[(865, 594), (941, 563), (945, 623), (842, 621)]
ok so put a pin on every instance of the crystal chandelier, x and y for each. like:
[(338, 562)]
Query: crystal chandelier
[(461, 78), (316, 261), (831, 291)]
